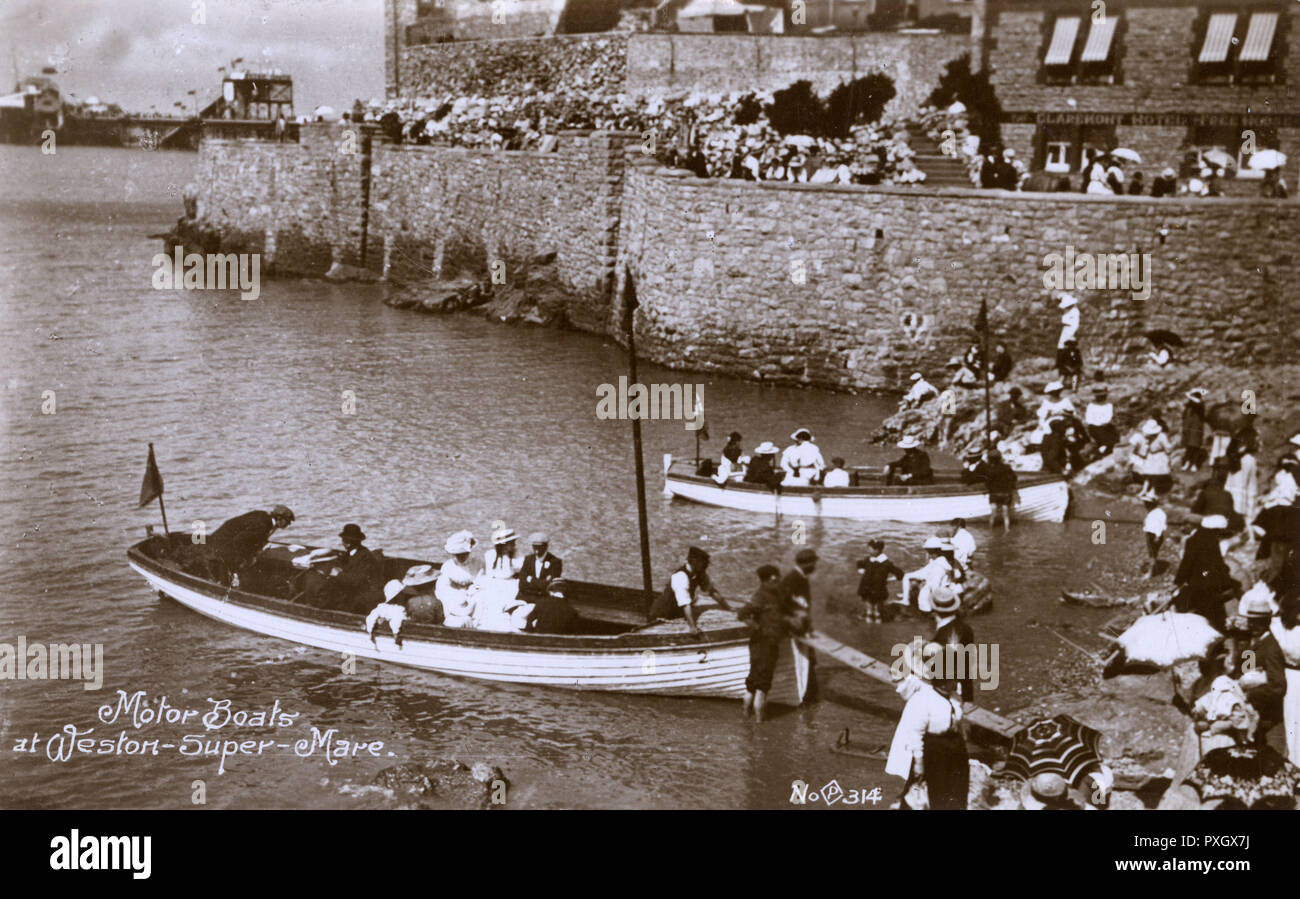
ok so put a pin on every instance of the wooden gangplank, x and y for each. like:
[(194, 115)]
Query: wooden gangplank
[(991, 722)]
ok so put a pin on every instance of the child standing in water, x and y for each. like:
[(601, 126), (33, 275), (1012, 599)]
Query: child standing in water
[(875, 572)]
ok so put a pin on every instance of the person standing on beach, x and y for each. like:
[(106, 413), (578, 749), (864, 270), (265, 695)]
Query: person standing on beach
[(929, 749), (1194, 430), (771, 618), (1153, 527), (873, 589), (953, 633), (797, 593), (1001, 481)]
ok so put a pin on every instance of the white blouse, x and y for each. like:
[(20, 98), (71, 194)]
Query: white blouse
[(926, 712)]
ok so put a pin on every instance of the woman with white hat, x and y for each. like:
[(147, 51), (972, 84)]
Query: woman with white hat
[(935, 575), (1055, 404), (928, 750), (1150, 457), (455, 586), (762, 466), (802, 461), (497, 606), (913, 467)]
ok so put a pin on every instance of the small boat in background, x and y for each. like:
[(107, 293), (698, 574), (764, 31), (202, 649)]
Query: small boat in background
[(616, 648), (1043, 497)]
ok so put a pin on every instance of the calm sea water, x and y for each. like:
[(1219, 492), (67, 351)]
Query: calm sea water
[(458, 422)]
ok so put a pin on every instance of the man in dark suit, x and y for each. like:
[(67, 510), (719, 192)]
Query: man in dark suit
[(355, 583), (1203, 580), (238, 541), (541, 567), (796, 591)]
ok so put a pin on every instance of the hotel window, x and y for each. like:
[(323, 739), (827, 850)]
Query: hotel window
[(1209, 146), (1081, 50), (1058, 156), (1237, 47)]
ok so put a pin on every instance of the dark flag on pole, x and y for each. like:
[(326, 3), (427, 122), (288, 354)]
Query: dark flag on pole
[(982, 321), (152, 487)]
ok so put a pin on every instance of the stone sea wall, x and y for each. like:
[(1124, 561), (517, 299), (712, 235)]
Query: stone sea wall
[(845, 287), (855, 287)]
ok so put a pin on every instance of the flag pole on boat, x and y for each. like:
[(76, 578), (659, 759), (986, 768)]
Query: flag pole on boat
[(982, 327), (629, 308), (152, 488)]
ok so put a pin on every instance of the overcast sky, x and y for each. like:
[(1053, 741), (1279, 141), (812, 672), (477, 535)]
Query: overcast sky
[(140, 53)]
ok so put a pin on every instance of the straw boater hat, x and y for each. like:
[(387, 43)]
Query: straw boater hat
[(537, 538), (1068, 300), (460, 542), (932, 543), (953, 362), (1255, 604), (909, 442), (765, 448), (503, 535), (974, 452), (1054, 387), (1151, 427), (945, 601), (419, 574), (1214, 523), (916, 376), (1043, 790), (806, 434)]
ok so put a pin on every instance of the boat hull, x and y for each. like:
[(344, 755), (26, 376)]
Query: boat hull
[(1046, 501), (713, 666)]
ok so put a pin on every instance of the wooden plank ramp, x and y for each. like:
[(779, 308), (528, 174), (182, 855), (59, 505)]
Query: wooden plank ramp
[(994, 724)]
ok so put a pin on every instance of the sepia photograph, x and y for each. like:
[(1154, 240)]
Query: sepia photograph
[(650, 406)]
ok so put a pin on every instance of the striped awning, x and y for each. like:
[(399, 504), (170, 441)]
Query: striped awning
[(1259, 37), (1218, 36), (1064, 32), (1097, 47)]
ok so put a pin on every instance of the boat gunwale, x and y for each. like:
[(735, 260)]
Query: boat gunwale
[(882, 492), (352, 622)]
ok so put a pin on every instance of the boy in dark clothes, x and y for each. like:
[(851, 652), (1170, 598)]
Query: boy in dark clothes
[(872, 587), (771, 618)]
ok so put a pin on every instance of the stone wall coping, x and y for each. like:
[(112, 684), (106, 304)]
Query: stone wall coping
[(532, 39), (965, 192)]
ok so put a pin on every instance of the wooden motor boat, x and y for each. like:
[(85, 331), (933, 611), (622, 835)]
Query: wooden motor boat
[(1043, 497), (614, 649)]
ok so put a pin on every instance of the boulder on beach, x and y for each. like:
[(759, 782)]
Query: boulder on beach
[(445, 783), (436, 296)]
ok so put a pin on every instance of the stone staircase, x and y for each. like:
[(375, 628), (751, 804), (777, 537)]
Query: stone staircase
[(940, 170)]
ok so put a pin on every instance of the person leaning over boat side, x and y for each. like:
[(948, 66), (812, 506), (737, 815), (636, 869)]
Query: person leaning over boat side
[(771, 618), (730, 459), (679, 597), (802, 461), (762, 466), (540, 567), (836, 475), (456, 581), (913, 467), (239, 541), (873, 587), (928, 746), (392, 611), (1002, 483)]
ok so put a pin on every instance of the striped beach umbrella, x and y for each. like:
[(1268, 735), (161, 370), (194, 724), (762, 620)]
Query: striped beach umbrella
[(1059, 745)]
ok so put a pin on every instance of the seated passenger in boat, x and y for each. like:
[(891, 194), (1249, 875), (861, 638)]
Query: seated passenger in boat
[(552, 613), (836, 476), (935, 574), (802, 461), (455, 586), (391, 611), (354, 583), (729, 465), (762, 466), (541, 567), (973, 466), (239, 541), (497, 607), (913, 467), (423, 606)]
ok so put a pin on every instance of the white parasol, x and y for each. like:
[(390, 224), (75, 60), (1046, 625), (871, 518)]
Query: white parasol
[(1218, 157), (803, 141), (1168, 638), (1267, 159), (1126, 153)]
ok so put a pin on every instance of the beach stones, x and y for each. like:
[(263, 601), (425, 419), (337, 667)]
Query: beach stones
[(445, 784)]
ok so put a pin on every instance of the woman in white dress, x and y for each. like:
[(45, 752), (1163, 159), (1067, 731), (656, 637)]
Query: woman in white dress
[(497, 606), (455, 586), (928, 747), (1286, 630)]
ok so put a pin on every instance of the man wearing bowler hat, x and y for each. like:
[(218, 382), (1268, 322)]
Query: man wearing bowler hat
[(355, 583)]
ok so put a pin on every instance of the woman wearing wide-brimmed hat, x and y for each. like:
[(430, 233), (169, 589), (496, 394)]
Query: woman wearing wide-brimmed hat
[(762, 466), (497, 606), (455, 584), (802, 461), (929, 749), (913, 467), (1150, 457)]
